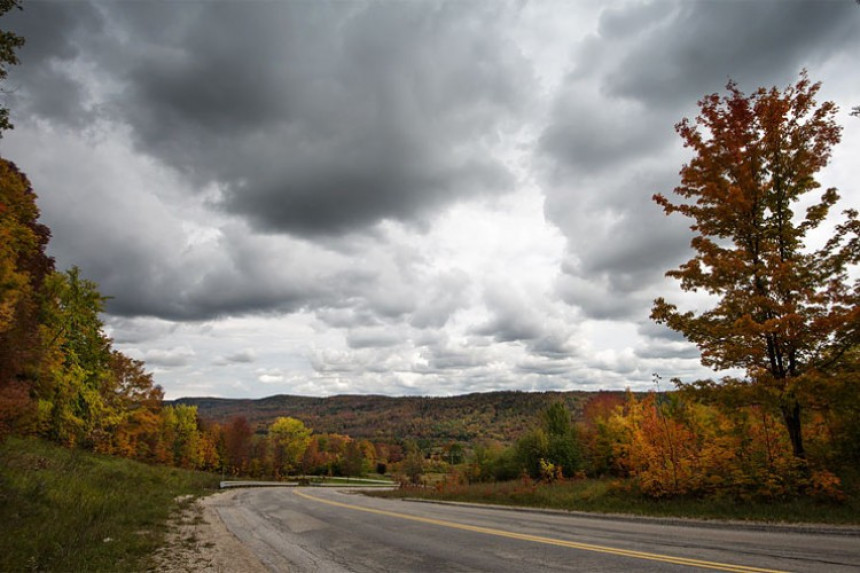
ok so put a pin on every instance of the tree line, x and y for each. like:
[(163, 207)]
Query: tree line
[(680, 443)]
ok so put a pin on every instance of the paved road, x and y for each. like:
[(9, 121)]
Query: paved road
[(334, 530)]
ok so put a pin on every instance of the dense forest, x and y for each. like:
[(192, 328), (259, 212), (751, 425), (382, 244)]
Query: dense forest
[(428, 421)]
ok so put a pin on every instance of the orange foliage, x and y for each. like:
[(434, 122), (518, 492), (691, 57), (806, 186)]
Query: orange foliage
[(674, 446), (783, 312)]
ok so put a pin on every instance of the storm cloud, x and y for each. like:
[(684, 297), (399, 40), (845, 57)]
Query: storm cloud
[(391, 197)]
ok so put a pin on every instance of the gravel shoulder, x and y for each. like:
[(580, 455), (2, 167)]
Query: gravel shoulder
[(199, 541)]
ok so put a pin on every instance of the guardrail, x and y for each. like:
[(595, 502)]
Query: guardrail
[(314, 481)]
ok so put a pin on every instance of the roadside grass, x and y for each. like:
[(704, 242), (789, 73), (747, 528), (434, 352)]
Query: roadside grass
[(70, 510), (614, 496), (349, 481)]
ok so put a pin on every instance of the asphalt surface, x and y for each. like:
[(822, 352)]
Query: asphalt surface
[(334, 530)]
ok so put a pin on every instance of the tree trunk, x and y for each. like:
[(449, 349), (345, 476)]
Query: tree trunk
[(791, 417)]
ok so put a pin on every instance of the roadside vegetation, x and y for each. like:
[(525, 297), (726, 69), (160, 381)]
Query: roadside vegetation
[(779, 437), (667, 455), (71, 510), (619, 496)]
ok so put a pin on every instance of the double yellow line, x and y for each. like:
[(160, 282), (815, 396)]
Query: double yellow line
[(549, 540)]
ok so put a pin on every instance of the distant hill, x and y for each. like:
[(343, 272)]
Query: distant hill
[(430, 421)]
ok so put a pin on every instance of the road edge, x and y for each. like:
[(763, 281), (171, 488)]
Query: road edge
[(802, 528)]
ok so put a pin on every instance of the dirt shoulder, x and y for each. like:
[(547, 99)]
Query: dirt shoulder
[(198, 541)]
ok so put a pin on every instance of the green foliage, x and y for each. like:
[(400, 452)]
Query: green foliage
[(413, 464), (76, 378), (353, 459), (69, 510), (555, 444), (530, 450), (563, 449)]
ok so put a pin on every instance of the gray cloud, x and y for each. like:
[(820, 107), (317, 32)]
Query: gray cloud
[(447, 356), (685, 53), (609, 144), (316, 118), (137, 330), (512, 319), (45, 83), (362, 182), (444, 296), (244, 356), (170, 357), (373, 338)]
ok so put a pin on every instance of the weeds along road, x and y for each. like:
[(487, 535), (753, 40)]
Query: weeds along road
[(331, 530)]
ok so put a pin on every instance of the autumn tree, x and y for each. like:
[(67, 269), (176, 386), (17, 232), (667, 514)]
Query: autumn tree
[(597, 436), (131, 392), (180, 441), (784, 312), (289, 437), (237, 444), (24, 267)]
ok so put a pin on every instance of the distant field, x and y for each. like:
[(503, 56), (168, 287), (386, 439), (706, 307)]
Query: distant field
[(69, 510)]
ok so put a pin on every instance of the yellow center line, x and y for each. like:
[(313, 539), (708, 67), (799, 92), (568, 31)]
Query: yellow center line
[(549, 540)]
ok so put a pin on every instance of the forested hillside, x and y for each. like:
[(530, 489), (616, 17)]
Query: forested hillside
[(429, 421)]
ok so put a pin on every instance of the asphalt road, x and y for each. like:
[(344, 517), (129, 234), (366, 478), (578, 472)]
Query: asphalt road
[(333, 530)]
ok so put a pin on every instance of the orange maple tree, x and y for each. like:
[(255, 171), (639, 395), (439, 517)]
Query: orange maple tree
[(784, 312)]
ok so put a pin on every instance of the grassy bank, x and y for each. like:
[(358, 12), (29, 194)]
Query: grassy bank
[(69, 510), (612, 496)]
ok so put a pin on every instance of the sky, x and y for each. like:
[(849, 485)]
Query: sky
[(398, 198)]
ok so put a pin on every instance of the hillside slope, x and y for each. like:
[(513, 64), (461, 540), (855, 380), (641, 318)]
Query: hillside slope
[(72, 510), (470, 418)]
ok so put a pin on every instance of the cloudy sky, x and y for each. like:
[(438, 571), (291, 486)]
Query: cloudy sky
[(393, 198)]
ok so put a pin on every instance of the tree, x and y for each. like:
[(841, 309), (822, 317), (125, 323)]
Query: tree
[(24, 267), (413, 463), (555, 442), (180, 433), (9, 43), (237, 445), (131, 392), (784, 313), (290, 438), (353, 459), (530, 450), (563, 447), (75, 377)]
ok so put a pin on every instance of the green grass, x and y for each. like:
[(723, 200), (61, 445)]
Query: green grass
[(69, 510), (614, 496)]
